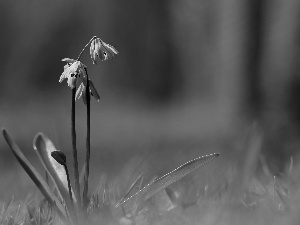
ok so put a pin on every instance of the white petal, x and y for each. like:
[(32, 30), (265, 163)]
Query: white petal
[(68, 60), (79, 91), (111, 48), (94, 91)]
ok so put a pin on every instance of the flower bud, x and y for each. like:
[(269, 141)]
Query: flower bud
[(60, 157)]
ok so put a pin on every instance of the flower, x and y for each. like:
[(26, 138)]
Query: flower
[(72, 70), (81, 91), (102, 50)]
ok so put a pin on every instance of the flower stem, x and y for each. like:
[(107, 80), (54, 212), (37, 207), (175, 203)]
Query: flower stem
[(69, 184), (73, 211), (75, 160), (88, 141), (85, 47)]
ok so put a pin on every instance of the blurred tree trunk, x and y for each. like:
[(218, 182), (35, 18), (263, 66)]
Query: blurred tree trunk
[(230, 67), (255, 16), (148, 48), (194, 31), (211, 39), (280, 80), (279, 53)]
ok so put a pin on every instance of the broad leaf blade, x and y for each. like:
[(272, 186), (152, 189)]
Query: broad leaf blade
[(35, 176), (178, 173), (161, 183), (43, 147)]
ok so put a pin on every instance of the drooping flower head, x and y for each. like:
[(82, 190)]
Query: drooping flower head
[(73, 71), (76, 72), (102, 50)]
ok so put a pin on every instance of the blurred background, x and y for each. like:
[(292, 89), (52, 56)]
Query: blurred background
[(193, 77)]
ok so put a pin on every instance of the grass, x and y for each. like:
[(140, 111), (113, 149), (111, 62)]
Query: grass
[(218, 201), (221, 197), (222, 193)]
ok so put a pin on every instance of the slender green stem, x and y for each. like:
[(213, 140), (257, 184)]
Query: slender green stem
[(69, 184), (85, 47), (73, 210), (75, 160), (88, 141)]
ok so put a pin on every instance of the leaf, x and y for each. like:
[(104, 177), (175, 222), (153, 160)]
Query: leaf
[(178, 173), (132, 200), (132, 189), (44, 147), (35, 176), (161, 183)]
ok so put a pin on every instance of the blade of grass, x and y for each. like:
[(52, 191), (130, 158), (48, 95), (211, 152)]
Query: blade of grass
[(130, 208), (131, 190), (159, 184), (136, 202), (8, 204), (36, 177)]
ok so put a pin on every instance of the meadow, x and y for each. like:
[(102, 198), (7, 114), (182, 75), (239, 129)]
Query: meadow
[(193, 78), (236, 188)]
